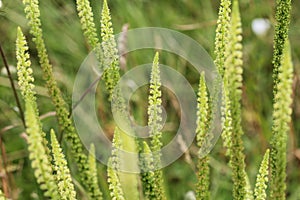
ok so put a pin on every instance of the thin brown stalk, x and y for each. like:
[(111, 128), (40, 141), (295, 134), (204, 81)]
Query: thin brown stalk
[(4, 177), (12, 85)]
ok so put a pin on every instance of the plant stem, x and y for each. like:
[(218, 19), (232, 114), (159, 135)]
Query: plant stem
[(5, 178)]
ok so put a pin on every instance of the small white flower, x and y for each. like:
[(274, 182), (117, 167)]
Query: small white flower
[(0, 3), (190, 195), (16, 109), (260, 26)]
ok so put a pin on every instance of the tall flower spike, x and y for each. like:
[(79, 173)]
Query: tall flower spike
[(63, 175), (24, 71), (147, 173), (202, 112), (202, 189), (262, 178), (221, 39), (94, 192), (221, 42), (39, 159), (226, 120), (233, 82), (39, 153), (25, 81), (155, 126), (85, 14), (111, 76), (110, 61), (33, 15), (25, 78), (233, 66), (130, 191), (281, 119), (154, 110), (88, 26), (283, 15), (114, 183), (116, 147)]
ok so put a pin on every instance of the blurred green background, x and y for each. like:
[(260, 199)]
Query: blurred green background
[(195, 18)]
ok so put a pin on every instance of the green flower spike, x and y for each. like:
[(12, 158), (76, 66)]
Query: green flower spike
[(202, 188), (113, 168), (147, 174), (33, 15), (110, 61), (222, 32), (92, 174), (154, 124), (40, 162), (107, 55), (233, 84), (281, 119), (115, 187), (111, 76), (154, 110), (226, 120), (39, 153), (63, 175), (283, 15), (262, 178), (86, 17), (25, 77), (88, 26)]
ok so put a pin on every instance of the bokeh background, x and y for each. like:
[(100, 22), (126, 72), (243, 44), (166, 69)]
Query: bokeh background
[(195, 18)]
